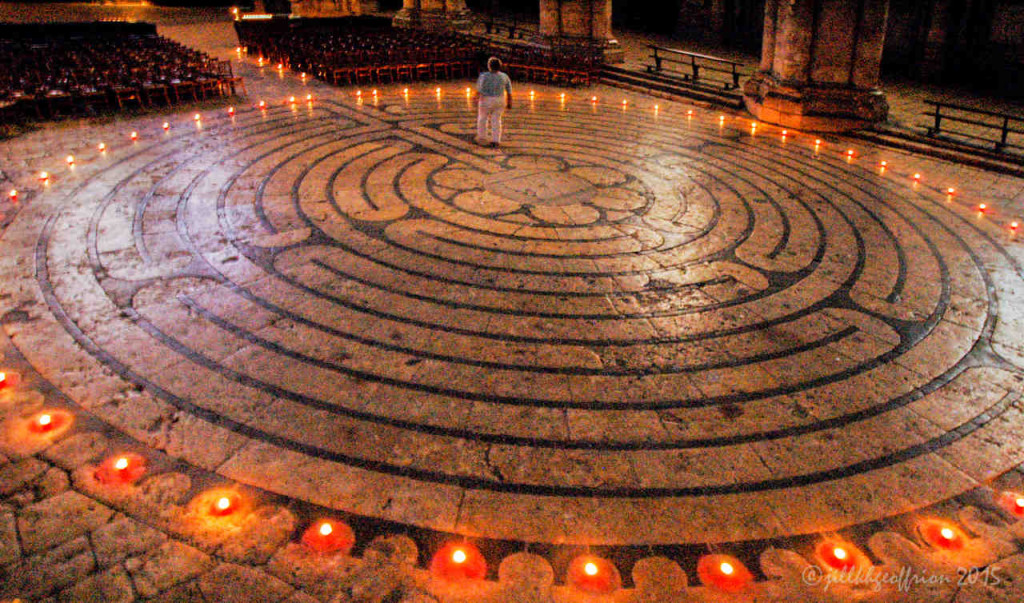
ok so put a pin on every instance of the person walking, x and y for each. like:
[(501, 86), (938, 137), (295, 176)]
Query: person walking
[(494, 95)]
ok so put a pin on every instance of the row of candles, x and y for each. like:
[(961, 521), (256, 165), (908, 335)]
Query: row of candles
[(262, 105), (461, 560)]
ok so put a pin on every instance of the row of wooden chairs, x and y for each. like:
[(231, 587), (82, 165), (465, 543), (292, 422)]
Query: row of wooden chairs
[(88, 102), (88, 75), (388, 74)]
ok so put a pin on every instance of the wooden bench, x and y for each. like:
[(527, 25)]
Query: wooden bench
[(696, 62), (1004, 123)]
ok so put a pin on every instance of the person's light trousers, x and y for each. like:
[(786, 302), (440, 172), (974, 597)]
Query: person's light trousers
[(491, 108)]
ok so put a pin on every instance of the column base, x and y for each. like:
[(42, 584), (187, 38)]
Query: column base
[(432, 19), (816, 108)]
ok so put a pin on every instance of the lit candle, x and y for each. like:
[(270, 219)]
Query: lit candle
[(309, 98), (49, 422), (329, 537), (231, 111), (43, 176), (942, 534), (359, 92), (121, 470), (167, 126), (883, 164), (593, 99), (917, 177), (224, 505), (405, 91), (13, 194), (593, 575), (134, 136), (849, 152), (291, 100), (302, 75), (817, 142), (723, 572), (839, 556), (3, 380), (1013, 226), (262, 105), (982, 207), (458, 561), (197, 117), (689, 113), (951, 191), (70, 159), (437, 90), (102, 147), (280, 66), (374, 92)]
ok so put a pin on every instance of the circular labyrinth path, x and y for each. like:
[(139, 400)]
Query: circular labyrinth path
[(622, 327)]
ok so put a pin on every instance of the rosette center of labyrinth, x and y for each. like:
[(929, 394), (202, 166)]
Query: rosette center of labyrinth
[(603, 332)]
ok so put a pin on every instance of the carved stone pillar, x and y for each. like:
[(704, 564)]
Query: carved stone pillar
[(433, 14), (820, 64)]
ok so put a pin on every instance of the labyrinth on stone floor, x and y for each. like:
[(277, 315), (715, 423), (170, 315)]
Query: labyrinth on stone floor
[(622, 327)]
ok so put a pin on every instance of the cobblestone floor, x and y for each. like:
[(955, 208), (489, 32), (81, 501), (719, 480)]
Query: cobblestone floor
[(632, 332)]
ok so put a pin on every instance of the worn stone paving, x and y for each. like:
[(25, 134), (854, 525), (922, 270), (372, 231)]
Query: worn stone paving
[(632, 330)]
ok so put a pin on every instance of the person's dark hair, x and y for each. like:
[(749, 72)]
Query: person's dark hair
[(494, 64)]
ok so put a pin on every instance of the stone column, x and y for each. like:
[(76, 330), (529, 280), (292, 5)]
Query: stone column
[(580, 19), (433, 14), (820, 64)]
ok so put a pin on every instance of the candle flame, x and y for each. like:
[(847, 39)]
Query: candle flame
[(326, 529), (44, 420), (459, 556), (839, 552), (121, 464), (223, 503), (947, 533), (590, 568), (727, 568)]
